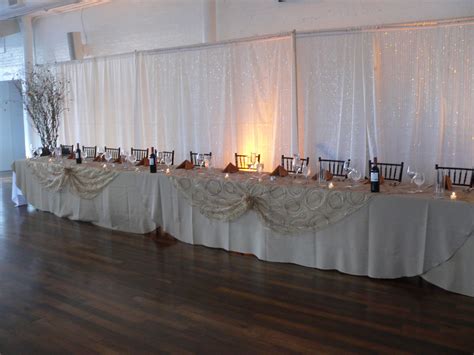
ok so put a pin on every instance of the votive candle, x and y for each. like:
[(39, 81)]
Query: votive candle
[(331, 185), (453, 196), (226, 176)]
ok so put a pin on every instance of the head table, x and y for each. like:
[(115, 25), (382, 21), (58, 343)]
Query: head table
[(391, 234)]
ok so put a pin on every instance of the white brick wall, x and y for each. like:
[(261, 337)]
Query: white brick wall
[(120, 26), (244, 18), (11, 56), (127, 25)]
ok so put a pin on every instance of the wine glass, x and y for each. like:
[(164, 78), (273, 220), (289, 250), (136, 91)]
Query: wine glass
[(355, 176), (39, 151), (296, 163), (108, 157), (253, 159), (411, 173), (347, 167), (306, 170), (131, 158), (200, 160), (419, 179), (168, 161)]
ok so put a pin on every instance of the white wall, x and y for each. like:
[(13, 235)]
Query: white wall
[(244, 18), (127, 25), (11, 56), (120, 26), (12, 141)]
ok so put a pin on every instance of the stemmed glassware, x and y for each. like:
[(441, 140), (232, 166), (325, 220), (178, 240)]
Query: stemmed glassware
[(200, 160), (296, 163), (39, 151), (355, 175), (84, 156), (131, 159), (253, 159), (108, 157), (306, 170), (168, 161), (419, 179), (347, 167)]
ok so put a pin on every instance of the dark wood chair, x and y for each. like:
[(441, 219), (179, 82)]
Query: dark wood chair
[(66, 149), (459, 176), (389, 171), (162, 156), (114, 152), (335, 167), (90, 151), (139, 153), (193, 157), (287, 163), (242, 161)]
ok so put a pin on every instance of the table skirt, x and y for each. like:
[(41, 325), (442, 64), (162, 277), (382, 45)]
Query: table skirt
[(392, 236)]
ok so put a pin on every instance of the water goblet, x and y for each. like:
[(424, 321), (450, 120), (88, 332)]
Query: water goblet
[(168, 161), (39, 151), (355, 176), (296, 163), (200, 160), (306, 171), (347, 167), (419, 179), (108, 157)]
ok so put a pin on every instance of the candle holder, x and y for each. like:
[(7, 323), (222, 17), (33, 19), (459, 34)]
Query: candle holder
[(453, 196), (331, 185), (226, 176)]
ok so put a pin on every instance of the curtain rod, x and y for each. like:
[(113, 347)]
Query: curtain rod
[(391, 27), (344, 30), (183, 48)]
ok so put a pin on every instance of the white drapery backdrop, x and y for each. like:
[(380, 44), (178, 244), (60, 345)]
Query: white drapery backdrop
[(402, 95), (230, 98)]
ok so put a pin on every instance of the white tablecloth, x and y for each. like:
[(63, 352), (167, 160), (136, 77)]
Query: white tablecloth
[(391, 236)]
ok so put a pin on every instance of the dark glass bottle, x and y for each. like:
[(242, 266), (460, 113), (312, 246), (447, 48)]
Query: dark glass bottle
[(152, 161), (78, 155), (374, 177)]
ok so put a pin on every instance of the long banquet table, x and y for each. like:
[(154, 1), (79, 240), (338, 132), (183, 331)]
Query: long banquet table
[(388, 235)]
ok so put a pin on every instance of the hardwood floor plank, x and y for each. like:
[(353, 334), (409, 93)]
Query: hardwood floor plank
[(73, 287)]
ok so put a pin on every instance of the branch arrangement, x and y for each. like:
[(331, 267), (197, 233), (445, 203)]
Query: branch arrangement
[(43, 95)]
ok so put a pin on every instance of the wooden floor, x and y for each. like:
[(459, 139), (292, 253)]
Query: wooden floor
[(72, 287)]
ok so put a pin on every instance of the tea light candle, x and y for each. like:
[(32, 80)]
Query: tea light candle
[(331, 185), (50, 160), (453, 196), (104, 166), (167, 170), (226, 176)]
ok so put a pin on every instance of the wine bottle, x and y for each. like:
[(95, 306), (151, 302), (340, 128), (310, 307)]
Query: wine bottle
[(152, 161), (78, 155), (374, 177)]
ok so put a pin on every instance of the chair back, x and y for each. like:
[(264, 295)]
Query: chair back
[(66, 149), (287, 163), (242, 161), (162, 156), (90, 151), (193, 156), (389, 171), (114, 152), (139, 154), (458, 176), (335, 167)]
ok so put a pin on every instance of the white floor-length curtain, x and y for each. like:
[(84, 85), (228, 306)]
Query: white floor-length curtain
[(101, 100), (335, 96), (425, 97), (229, 98)]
